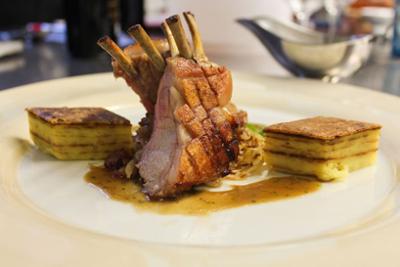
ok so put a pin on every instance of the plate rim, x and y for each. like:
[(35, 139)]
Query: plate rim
[(17, 91)]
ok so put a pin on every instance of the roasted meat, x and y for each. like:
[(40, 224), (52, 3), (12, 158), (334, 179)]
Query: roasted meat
[(194, 129)]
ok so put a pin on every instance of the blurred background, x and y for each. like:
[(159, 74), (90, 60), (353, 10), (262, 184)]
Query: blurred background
[(47, 39)]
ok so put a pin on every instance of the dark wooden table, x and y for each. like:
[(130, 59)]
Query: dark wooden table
[(45, 61)]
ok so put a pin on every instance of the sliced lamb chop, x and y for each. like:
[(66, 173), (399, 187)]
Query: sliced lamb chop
[(137, 65), (194, 134)]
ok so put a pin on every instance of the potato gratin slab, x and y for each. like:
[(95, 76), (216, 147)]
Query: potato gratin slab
[(328, 148), (79, 133)]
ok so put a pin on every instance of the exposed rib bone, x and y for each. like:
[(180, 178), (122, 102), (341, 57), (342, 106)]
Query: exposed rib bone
[(178, 32), (117, 54), (171, 41), (198, 52), (148, 46)]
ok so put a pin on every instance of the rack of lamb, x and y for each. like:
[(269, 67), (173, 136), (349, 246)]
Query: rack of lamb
[(190, 133)]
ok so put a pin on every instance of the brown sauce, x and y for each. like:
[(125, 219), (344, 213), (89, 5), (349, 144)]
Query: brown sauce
[(202, 202)]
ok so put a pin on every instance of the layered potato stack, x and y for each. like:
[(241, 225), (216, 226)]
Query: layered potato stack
[(325, 147), (79, 133)]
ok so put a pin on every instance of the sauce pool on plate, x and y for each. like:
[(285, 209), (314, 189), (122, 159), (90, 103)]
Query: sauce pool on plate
[(202, 202)]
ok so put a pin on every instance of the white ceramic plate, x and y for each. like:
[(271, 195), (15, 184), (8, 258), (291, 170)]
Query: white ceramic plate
[(50, 217)]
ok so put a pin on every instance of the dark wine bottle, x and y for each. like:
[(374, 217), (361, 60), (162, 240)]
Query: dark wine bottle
[(87, 21), (396, 31)]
